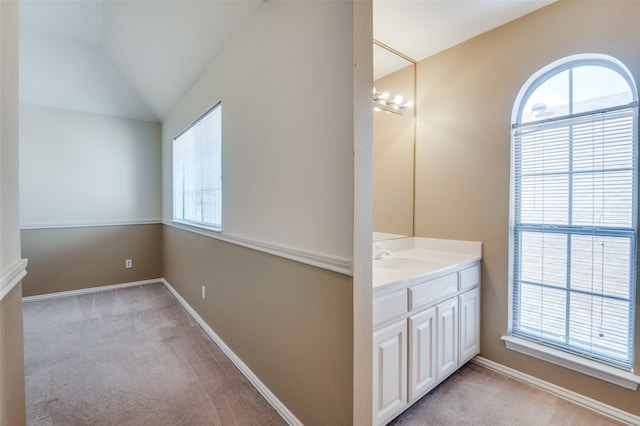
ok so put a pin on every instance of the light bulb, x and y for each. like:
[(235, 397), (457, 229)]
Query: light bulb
[(385, 95), (398, 100)]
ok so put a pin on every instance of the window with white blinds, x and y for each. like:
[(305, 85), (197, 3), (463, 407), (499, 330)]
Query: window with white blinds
[(197, 172), (574, 211)]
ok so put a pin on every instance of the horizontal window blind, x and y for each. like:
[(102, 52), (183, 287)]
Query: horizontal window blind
[(197, 171), (574, 236)]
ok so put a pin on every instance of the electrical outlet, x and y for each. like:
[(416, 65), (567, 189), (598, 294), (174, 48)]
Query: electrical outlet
[(204, 292), (128, 263)]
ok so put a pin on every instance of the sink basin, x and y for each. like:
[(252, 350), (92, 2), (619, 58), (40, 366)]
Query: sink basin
[(403, 263)]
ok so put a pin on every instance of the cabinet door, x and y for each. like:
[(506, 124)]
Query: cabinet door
[(422, 353), (390, 371), (447, 319), (469, 324)]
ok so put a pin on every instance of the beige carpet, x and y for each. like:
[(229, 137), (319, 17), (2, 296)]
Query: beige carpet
[(135, 357), (130, 357), (478, 396)]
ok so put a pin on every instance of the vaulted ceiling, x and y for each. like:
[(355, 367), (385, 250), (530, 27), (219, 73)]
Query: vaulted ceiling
[(137, 58), (122, 58)]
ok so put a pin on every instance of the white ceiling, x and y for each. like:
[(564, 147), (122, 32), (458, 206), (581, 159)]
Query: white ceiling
[(421, 28), (123, 58), (136, 58)]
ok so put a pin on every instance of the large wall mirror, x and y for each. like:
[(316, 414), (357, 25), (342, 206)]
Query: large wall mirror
[(393, 143)]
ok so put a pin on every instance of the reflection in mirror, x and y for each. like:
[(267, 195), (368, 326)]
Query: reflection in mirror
[(393, 144)]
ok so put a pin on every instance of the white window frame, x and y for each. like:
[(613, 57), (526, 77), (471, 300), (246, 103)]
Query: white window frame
[(529, 347), (197, 168)]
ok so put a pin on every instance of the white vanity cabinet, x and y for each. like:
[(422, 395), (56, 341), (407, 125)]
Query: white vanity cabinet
[(424, 330), (390, 365), (469, 307), (447, 353), (422, 358)]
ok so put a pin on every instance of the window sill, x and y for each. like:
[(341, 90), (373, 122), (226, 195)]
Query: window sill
[(595, 369), (197, 225)]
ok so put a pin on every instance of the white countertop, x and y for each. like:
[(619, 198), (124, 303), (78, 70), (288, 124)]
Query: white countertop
[(418, 258)]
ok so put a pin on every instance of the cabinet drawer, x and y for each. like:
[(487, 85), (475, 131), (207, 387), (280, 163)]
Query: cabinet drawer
[(432, 291), (469, 277), (389, 306)]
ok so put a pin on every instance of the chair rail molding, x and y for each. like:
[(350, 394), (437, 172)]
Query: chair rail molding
[(10, 277)]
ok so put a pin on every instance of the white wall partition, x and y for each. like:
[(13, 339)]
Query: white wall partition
[(79, 169)]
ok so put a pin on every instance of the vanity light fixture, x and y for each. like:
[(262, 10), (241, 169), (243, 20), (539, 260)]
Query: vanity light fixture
[(384, 101)]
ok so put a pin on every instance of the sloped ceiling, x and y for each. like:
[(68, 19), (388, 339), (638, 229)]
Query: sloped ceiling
[(123, 58), (162, 48), (422, 28), (135, 58)]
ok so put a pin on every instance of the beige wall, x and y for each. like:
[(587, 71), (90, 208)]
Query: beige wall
[(466, 95), (290, 323), (78, 168), (286, 86), (12, 403), (393, 141), (12, 398), (64, 259), (286, 83)]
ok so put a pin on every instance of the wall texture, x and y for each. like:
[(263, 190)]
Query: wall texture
[(288, 179), (466, 95), (287, 123), (290, 323), (64, 259), (12, 396), (78, 168)]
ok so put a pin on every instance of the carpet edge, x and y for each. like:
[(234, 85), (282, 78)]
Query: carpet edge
[(282, 409), (566, 394)]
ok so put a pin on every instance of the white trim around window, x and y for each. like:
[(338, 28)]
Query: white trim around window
[(573, 362)]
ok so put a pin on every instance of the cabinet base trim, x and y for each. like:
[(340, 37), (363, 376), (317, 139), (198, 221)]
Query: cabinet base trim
[(576, 398)]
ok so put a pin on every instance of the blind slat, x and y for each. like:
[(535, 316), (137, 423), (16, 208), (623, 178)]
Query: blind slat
[(197, 171), (574, 236)]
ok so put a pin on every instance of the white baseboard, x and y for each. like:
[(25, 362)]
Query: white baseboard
[(576, 398), (287, 415), (89, 290)]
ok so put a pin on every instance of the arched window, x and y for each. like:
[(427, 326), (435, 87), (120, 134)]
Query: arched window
[(574, 209)]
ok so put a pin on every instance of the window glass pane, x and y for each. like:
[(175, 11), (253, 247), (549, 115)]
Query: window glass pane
[(544, 258), (544, 199), (543, 312), (599, 325), (601, 265), (197, 173), (604, 142), (550, 99), (544, 149), (596, 87), (603, 199)]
